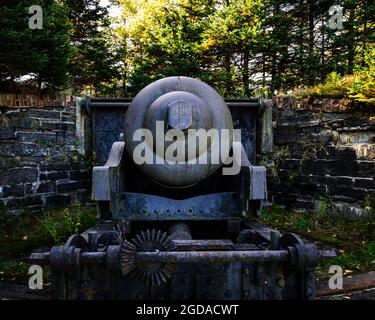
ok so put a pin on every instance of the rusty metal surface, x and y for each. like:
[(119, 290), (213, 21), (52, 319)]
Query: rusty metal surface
[(137, 206), (223, 271), (275, 256), (108, 123), (179, 231), (133, 260)]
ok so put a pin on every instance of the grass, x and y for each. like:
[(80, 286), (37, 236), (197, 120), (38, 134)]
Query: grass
[(354, 240), (20, 236)]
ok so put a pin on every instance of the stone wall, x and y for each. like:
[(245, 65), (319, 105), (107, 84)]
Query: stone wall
[(42, 158), (323, 152)]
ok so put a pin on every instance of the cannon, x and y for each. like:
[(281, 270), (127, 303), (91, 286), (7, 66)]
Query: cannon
[(178, 200)]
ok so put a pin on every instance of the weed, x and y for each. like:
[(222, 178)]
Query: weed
[(50, 226), (75, 219), (355, 240), (20, 236), (311, 149), (293, 176), (272, 162), (370, 204)]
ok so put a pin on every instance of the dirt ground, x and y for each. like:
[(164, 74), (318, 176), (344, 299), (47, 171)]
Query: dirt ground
[(18, 292)]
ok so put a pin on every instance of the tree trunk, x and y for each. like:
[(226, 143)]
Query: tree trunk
[(311, 76), (245, 72), (351, 41), (228, 82)]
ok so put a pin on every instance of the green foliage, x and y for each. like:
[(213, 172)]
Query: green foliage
[(354, 240), (360, 260), (92, 67), (21, 235), (50, 226), (362, 86), (273, 161), (333, 87), (14, 270), (73, 220), (311, 149), (249, 47), (41, 53), (241, 48), (77, 220), (293, 176), (4, 218), (359, 86), (370, 204), (278, 217)]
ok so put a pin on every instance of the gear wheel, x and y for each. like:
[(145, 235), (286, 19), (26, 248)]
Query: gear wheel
[(147, 241)]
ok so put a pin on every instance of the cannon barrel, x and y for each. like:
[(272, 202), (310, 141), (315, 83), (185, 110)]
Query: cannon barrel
[(184, 124)]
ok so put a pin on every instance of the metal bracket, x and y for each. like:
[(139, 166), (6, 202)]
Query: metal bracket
[(217, 206), (107, 180)]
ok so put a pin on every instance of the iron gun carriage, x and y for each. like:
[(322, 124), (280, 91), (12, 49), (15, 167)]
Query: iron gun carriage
[(179, 222)]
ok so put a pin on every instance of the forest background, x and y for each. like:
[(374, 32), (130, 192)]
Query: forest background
[(243, 48)]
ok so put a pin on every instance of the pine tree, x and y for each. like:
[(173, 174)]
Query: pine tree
[(43, 54), (93, 62)]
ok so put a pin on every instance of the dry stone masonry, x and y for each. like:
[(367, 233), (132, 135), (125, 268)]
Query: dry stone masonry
[(324, 152), (42, 161)]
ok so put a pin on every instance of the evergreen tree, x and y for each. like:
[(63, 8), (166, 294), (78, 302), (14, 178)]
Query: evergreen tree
[(93, 63), (42, 54), (244, 47)]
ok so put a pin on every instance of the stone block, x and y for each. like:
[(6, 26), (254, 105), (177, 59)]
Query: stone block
[(79, 175), (340, 198), (335, 168), (56, 200), (359, 194), (8, 149), (84, 184), (368, 183), (46, 187), (54, 175), (338, 181), (57, 125), (305, 204), (9, 162), (7, 133), (39, 137), (349, 212), (15, 202), (34, 208), (286, 134), (366, 168), (66, 186), (286, 200), (82, 196), (55, 166), (44, 113), (12, 191), (68, 116), (19, 119), (66, 137), (18, 175)]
